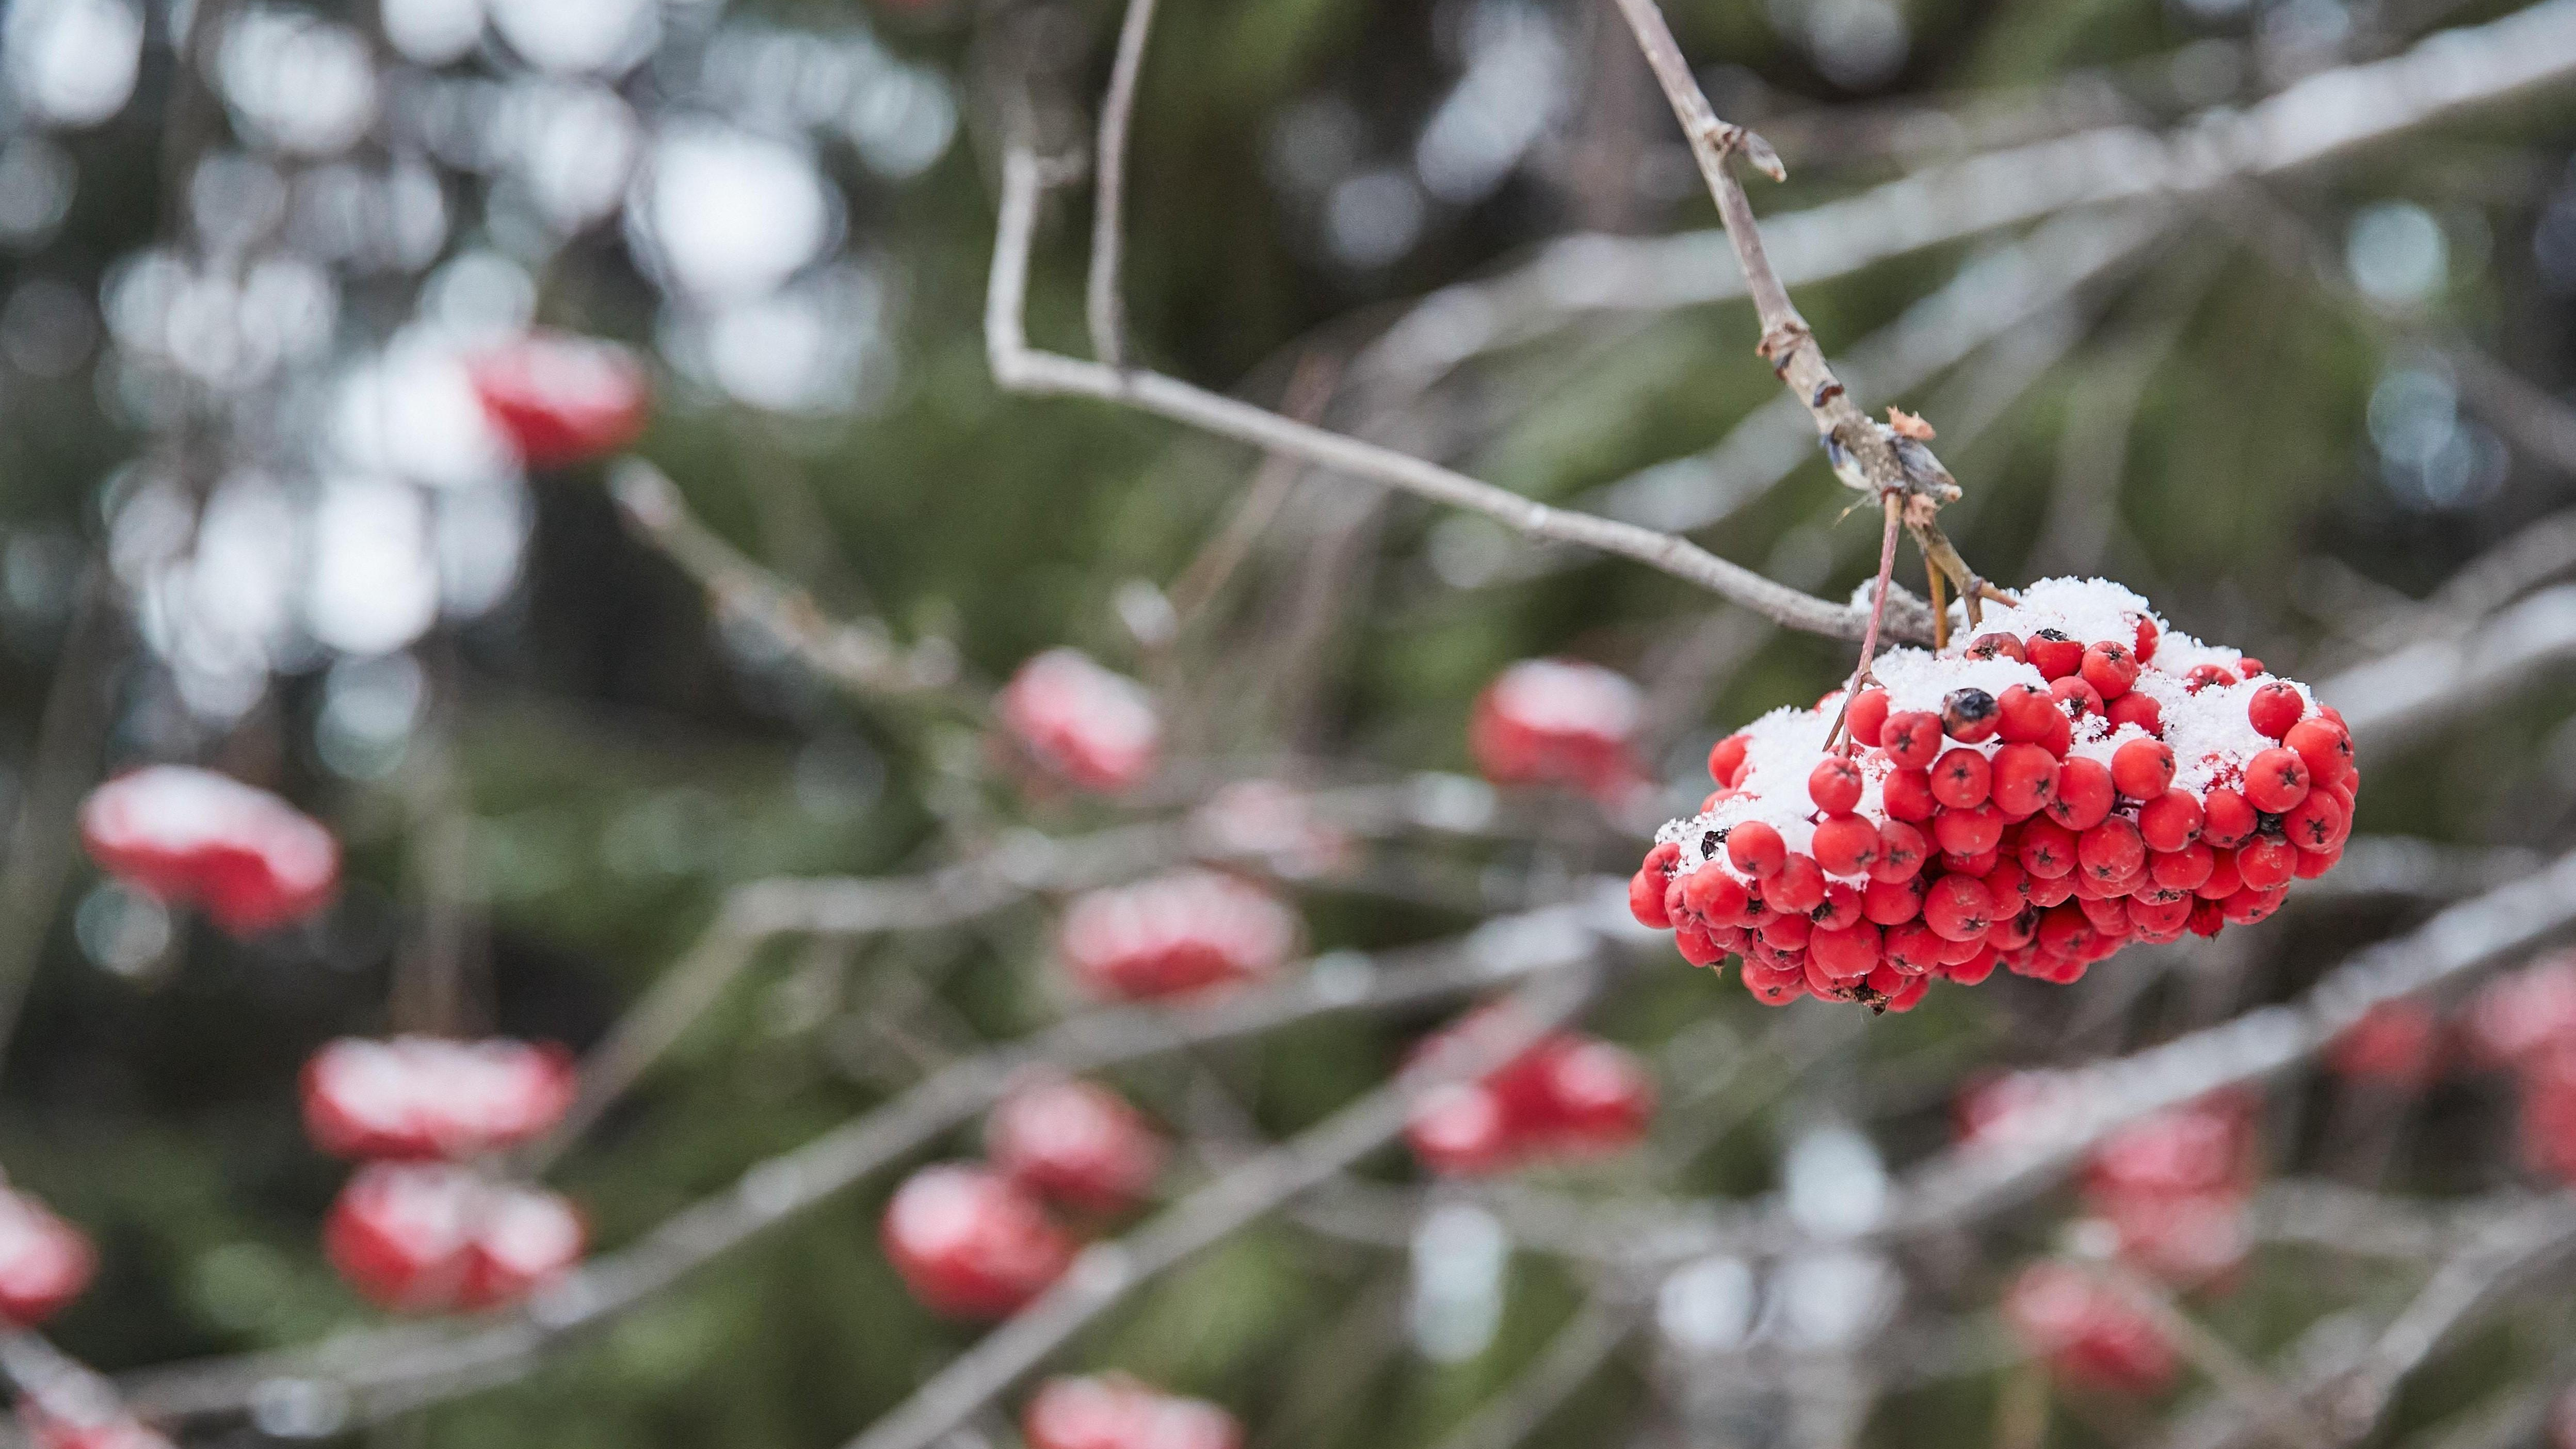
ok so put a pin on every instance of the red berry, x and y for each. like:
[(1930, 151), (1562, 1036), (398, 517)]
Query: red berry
[(2223, 880), (2249, 666), (2076, 698), (2206, 916), (1095, 729), (2139, 708), (1726, 759), (1867, 716), (2276, 780), (2273, 707), (1786, 931), (1845, 953), (1646, 900), (2111, 850), (2202, 676), (1961, 779), (1557, 722), (1075, 1142), (2110, 668), (561, 399), (1462, 1129), (1890, 902), (1997, 646), (1775, 988), (1907, 794), (2026, 714), (2053, 654), (1912, 948), (2084, 794), (1901, 851), (2023, 777), (1697, 946), (2265, 863), (249, 859), (1756, 849), (1798, 888), (2315, 823), (430, 1237), (1715, 896), (1911, 738), (2324, 744), (2183, 869), (2314, 863), (2047, 849), (2008, 884), (1969, 715), (2227, 819), (1959, 908), (2141, 769), (2160, 917), (44, 1261), (2147, 634), (2170, 821), (1976, 865), (1841, 907), (1845, 844), (1835, 784), (1968, 832), (2396, 1042)]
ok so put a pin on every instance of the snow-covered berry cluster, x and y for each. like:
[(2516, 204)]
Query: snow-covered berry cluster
[(439, 1237), (1558, 722), (416, 1228), (1174, 934), (2396, 1045), (561, 399), (1568, 1095), (2072, 779), (2175, 1187), (246, 858), (1082, 725), (972, 1240), (1113, 1411)]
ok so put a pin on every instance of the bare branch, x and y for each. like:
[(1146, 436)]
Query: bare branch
[(1017, 367), (2398, 698), (859, 658), (1104, 307)]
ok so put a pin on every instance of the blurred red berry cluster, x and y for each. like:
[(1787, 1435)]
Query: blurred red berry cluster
[(1568, 1095), (246, 858), (1113, 1411), (1558, 722), (978, 1241), (1174, 934)]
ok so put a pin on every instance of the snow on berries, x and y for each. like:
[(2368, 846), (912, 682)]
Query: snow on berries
[(418, 1097), (1084, 725), (1557, 722), (1174, 934), (433, 1237), (1567, 1095), (562, 399), (248, 859), (45, 1262), (1113, 1411), (2074, 777)]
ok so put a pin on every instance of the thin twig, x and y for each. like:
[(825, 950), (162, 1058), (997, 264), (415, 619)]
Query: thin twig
[(1104, 306), (1018, 367), (1310, 388), (1570, 1359)]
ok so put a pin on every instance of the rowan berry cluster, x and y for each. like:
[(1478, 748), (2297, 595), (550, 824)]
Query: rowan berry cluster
[(2175, 1187), (2396, 1045), (2074, 779), (418, 1228), (1080, 724), (246, 858), (561, 399), (1175, 934), (1558, 722), (977, 1240), (1568, 1095), (2526, 1024), (44, 1261), (1113, 1411)]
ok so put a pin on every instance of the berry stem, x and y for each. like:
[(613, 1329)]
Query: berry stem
[(1940, 606), (1895, 503)]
